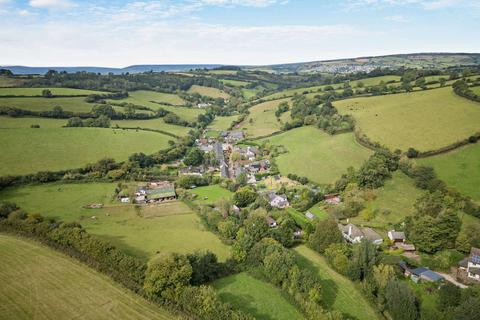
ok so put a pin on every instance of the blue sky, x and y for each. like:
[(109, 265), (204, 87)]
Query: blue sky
[(124, 32)]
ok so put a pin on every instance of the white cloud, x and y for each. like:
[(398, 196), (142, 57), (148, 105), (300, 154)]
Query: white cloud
[(425, 4), (396, 18), (52, 4), (247, 3), (24, 13)]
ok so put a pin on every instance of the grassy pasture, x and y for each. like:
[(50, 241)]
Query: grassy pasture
[(338, 292), (29, 150), (459, 168), (425, 120), (317, 155), (40, 283), (155, 124), (258, 298), (141, 231), (38, 92), (209, 92), (234, 83), (251, 93), (476, 90), (26, 122), (220, 72), (159, 97), (75, 104), (222, 123), (262, 120), (143, 99), (211, 194)]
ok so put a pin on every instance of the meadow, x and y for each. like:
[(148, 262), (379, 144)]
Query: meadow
[(211, 194), (154, 124), (145, 98), (459, 169), (40, 283), (338, 292), (222, 123), (140, 231), (258, 298), (251, 93), (476, 90), (38, 92), (75, 104), (425, 120), (262, 120), (234, 83), (66, 148), (314, 154), (209, 92), (160, 97), (26, 122)]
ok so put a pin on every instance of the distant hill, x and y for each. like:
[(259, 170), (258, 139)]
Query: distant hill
[(367, 64), (22, 70)]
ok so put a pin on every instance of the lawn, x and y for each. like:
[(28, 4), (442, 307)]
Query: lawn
[(338, 292), (75, 104), (319, 212), (459, 168), (31, 150), (145, 98), (208, 91), (155, 124), (38, 92), (211, 194), (320, 157), (222, 123), (398, 196), (258, 298), (40, 283), (425, 120), (141, 231), (262, 120)]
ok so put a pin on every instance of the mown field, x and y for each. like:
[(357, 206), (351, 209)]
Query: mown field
[(40, 283), (258, 298), (459, 168), (209, 92), (32, 150), (145, 98), (262, 120), (317, 155), (338, 292), (211, 194), (397, 196), (425, 120), (75, 104), (141, 231), (38, 92), (222, 123)]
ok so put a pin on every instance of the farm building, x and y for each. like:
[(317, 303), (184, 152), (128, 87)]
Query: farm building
[(354, 234), (469, 268), (156, 192)]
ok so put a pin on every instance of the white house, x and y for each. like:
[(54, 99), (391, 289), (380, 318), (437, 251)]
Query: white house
[(278, 201), (354, 234)]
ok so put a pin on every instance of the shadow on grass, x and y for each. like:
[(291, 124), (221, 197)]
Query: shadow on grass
[(244, 302)]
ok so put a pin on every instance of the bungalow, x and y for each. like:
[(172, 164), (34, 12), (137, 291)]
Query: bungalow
[(354, 234), (271, 222), (333, 199), (396, 236), (469, 268), (278, 201)]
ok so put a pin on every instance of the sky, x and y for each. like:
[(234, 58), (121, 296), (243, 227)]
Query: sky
[(241, 32)]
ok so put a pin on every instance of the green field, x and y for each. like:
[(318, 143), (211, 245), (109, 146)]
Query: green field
[(220, 72), (38, 92), (32, 150), (262, 120), (425, 120), (459, 168), (7, 82), (234, 83), (211, 194), (222, 123), (169, 227), (75, 104), (160, 97), (251, 93), (476, 90), (40, 283), (338, 292), (145, 98), (367, 82), (317, 155), (26, 122), (209, 92), (155, 124), (398, 196), (258, 298)]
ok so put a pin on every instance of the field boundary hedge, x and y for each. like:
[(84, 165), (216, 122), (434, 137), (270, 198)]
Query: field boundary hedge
[(148, 129)]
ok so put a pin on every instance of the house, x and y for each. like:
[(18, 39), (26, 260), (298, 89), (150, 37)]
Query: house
[(278, 201), (469, 268), (192, 171), (203, 105), (396, 236), (251, 179), (271, 222), (425, 274), (354, 234), (333, 199), (232, 136), (309, 215)]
